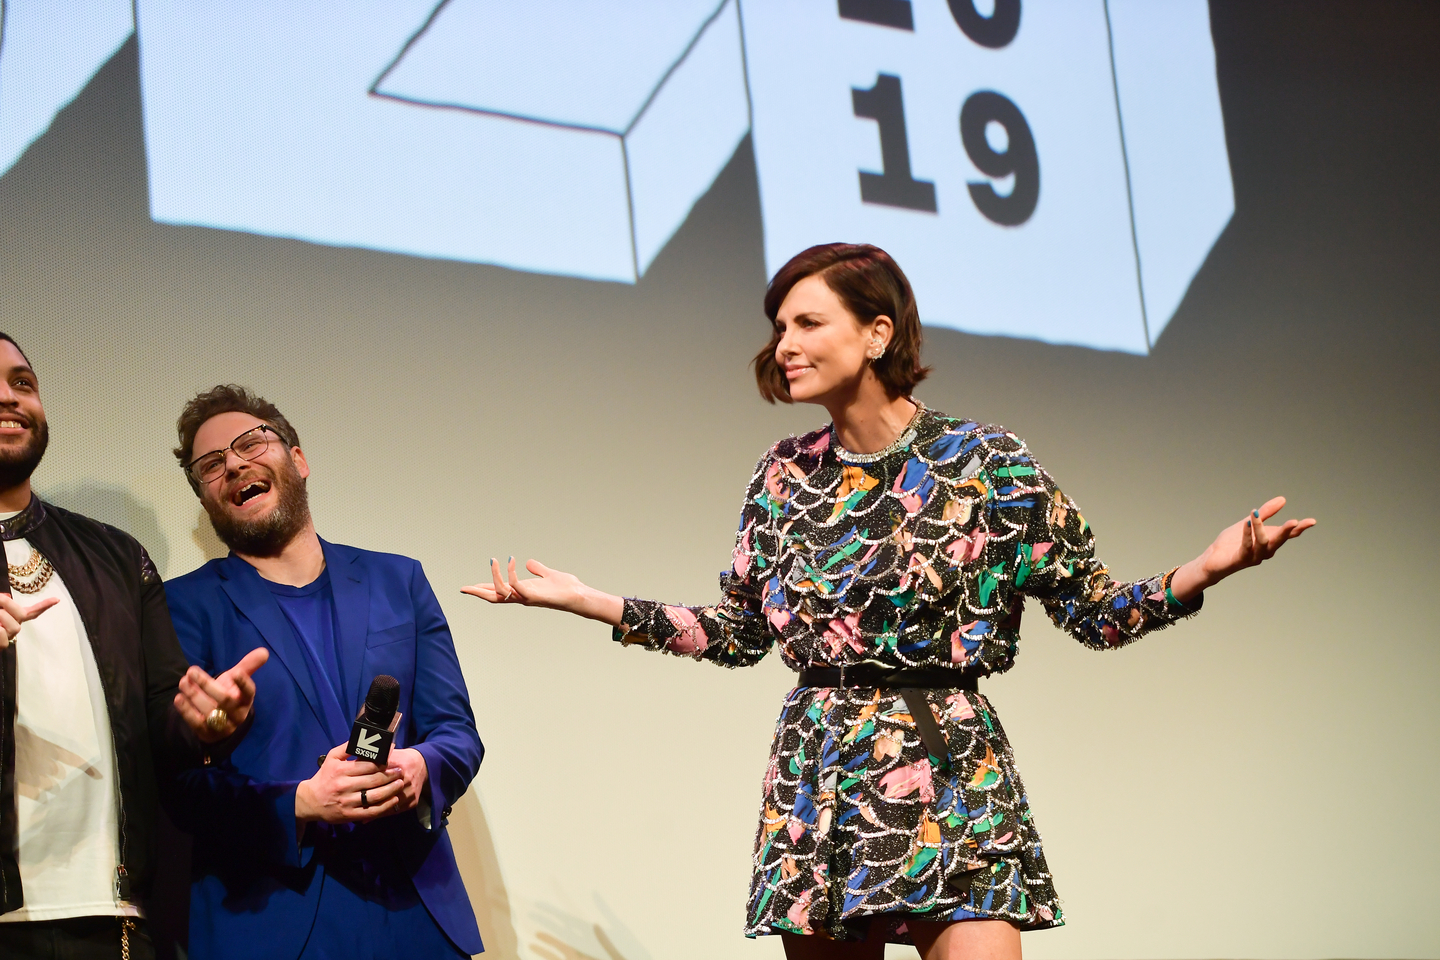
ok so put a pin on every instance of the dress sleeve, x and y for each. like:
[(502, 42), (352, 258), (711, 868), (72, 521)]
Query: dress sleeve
[(1055, 563), (734, 631)]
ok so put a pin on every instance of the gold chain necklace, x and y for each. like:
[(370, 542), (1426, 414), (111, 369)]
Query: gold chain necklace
[(33, 575)]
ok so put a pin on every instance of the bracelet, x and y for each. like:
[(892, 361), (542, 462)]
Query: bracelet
[(1169, 595)]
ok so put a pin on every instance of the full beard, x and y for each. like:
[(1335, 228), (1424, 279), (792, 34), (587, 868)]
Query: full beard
[(17, 464), (269, 535)]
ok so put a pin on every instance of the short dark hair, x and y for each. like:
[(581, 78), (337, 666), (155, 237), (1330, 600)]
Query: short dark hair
[(870, 284), (11, 340), (226, 398)]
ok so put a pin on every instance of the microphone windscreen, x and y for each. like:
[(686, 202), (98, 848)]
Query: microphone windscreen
[(382, 700)]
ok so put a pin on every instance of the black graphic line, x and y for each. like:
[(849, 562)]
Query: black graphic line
[(375, 90), (524, 118), (745, 71), (134, 27), (1129, 191), (375, 87), (676, 65), (2, 27), (630, 203)]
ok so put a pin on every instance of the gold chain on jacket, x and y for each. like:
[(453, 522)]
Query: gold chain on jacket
[(33, 575)]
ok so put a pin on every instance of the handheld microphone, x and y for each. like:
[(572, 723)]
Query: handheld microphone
[(374, 729)]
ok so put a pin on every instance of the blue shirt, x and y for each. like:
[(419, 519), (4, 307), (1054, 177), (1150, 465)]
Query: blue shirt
[(311, 611)]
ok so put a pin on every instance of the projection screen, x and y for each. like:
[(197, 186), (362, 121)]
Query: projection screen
[(502, 265)]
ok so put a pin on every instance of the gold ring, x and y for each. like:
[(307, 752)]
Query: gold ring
[(217, 720)]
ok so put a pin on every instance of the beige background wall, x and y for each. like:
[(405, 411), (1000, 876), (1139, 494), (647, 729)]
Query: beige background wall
[(1259, 782)]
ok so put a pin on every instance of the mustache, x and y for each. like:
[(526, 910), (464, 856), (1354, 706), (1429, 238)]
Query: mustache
[(265, 536), (18, 463)]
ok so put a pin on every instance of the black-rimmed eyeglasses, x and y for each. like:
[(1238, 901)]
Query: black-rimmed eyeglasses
[(248, 446)]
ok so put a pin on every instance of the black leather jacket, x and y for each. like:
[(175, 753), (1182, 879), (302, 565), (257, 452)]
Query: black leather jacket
[(122, 604)]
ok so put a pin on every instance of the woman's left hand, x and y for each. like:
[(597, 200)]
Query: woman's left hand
[(1240, 545)]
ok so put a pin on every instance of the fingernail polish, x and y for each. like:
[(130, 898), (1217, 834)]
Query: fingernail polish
[(1256, 514), (512, 559)]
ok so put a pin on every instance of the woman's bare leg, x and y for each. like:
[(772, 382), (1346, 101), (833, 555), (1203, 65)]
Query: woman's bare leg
[(966, 939), (799, 947)]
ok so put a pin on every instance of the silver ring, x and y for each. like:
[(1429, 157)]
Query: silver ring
[(364, 800)]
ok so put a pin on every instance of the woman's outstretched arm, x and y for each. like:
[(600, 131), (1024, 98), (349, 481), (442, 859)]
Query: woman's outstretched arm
[(552, 589), (732, 633), (1055, 559), (1240, 545)]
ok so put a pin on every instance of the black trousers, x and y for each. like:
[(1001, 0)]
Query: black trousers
[(74, 938)]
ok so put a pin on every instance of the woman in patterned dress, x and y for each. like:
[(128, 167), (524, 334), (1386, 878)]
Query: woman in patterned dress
[(899, 543)]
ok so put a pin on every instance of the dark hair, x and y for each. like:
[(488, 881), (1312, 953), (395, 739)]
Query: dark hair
[(870, 284), (226, 398), (11, 340)]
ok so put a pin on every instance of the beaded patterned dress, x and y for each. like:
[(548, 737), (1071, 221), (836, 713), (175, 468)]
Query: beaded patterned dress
[(918, 556)]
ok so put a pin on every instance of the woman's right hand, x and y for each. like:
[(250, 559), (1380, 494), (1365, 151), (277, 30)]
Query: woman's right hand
[(554, 589)]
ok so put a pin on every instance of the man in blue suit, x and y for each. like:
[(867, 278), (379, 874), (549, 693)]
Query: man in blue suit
[(349, 860)]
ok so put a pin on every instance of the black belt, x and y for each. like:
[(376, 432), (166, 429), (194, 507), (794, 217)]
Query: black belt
[(887, 678), (910, 682)]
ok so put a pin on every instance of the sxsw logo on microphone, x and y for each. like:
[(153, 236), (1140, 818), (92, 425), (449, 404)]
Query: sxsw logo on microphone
[(369, 742)]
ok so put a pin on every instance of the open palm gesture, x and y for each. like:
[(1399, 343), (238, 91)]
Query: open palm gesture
[(554, 589), (549, 588), (1248, 542)]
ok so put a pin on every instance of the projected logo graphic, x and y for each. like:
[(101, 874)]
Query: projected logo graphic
[(1052, 169), (554, 136), (643, 127)]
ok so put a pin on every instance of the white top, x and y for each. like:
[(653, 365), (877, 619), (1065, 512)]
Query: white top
[(64, 765)]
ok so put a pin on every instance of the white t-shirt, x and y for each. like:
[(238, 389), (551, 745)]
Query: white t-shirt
[(64, 765)]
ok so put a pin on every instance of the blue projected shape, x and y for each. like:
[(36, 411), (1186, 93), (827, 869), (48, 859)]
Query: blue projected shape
[(585, 131), (675, 99), (524, 60), (1175, 141), (1038, 182), (1045, 169), (48, 52)]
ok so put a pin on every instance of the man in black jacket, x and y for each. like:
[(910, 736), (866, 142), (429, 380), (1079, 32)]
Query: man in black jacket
[(96, 709)]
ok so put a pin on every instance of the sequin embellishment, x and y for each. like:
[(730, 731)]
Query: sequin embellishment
[(922, 557)]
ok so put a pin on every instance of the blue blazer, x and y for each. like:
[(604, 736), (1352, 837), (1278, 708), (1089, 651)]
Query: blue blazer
[(255, 886)]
